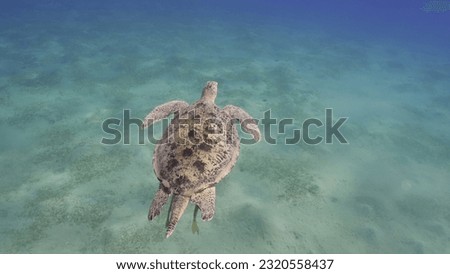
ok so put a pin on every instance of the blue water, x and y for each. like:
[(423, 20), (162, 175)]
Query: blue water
[(67, 66)]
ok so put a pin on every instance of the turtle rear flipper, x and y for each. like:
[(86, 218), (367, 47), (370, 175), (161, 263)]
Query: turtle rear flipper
[(206, 201), (161, 197)]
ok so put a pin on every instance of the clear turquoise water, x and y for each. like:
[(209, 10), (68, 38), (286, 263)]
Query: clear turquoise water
[(66, 67)]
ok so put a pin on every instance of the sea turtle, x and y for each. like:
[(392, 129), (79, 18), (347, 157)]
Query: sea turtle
[(197, 150)]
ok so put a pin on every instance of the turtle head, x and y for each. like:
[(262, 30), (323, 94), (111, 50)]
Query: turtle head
[(210, 91)]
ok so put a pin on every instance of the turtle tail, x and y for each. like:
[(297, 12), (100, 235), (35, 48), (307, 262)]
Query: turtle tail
[(194, 221), (179, 204)]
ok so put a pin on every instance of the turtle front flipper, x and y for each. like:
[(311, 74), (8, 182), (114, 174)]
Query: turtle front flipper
[(162, 111), (248, 124), (160, 199), (179, 204), (206, 201), (194, 222)]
